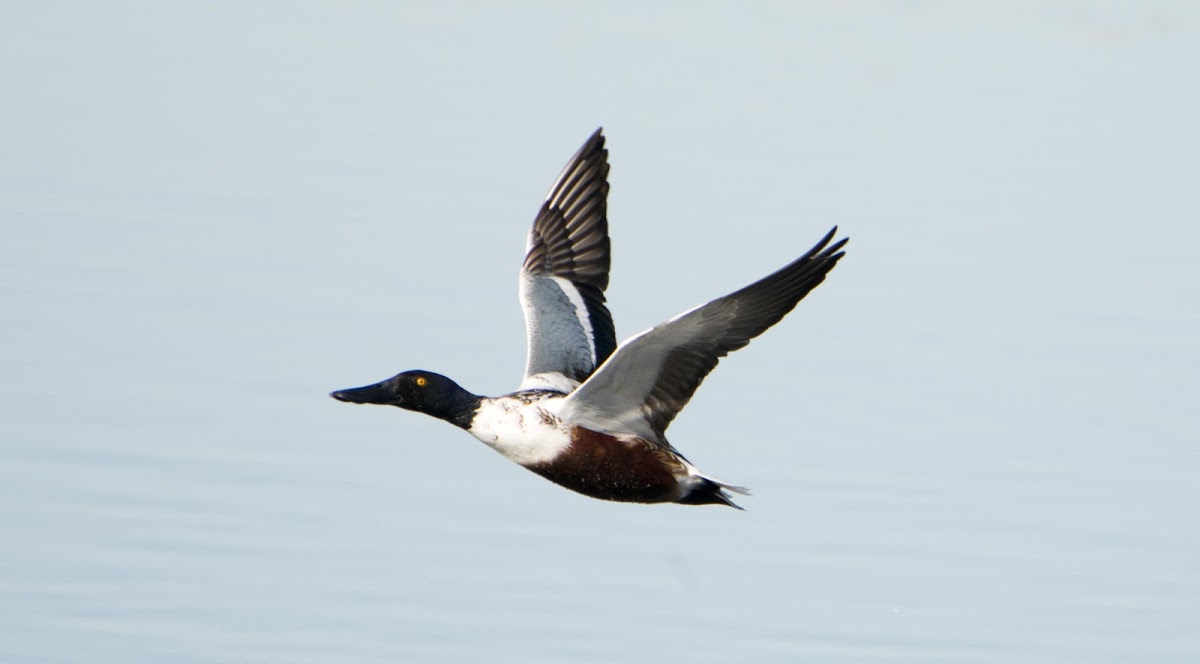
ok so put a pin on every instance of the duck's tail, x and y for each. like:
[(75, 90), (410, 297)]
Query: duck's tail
[(707, 491)]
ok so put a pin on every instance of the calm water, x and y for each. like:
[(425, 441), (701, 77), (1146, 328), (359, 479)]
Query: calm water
[(977, 442)]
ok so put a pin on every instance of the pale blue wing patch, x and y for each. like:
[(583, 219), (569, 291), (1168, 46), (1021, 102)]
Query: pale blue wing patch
[(560, 336), (564, 275)]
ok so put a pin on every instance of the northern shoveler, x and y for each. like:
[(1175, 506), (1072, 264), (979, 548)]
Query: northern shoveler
[(591, 415)]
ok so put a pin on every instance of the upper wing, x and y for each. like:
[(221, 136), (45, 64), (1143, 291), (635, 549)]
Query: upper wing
[(653, 375), (569, 330)]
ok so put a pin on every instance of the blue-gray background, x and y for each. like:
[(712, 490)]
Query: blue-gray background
[(977, 442)]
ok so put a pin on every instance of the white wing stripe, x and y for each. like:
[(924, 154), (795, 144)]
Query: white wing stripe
[(581, 312)]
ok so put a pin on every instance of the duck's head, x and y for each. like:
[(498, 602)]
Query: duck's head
[(422, 391)]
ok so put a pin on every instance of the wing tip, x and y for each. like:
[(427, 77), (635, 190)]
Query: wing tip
[(593, 144), (824, 248)]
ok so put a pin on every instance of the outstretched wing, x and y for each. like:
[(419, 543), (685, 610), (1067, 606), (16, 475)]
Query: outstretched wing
[(654, 374), (569, 330)]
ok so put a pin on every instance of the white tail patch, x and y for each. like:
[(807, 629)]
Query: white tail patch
[(694, 472)]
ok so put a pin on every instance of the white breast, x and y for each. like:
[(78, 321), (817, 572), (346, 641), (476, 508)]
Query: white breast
[(522, 430)]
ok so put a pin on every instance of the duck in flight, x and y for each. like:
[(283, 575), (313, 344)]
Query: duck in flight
[(592, 415)]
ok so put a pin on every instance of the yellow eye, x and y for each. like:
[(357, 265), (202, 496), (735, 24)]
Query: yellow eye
[(421, 381)]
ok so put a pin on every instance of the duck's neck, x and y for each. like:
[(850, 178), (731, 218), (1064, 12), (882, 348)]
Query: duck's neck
[(457, 408)]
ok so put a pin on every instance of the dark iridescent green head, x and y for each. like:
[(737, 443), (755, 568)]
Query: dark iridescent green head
[(422, 391)]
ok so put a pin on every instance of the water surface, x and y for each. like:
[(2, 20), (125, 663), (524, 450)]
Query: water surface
[(976, 442)]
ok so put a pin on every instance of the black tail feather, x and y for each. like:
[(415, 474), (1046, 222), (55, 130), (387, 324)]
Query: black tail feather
[(708, 492)]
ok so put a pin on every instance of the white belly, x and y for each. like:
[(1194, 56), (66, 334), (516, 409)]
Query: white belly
[(525, 432)]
